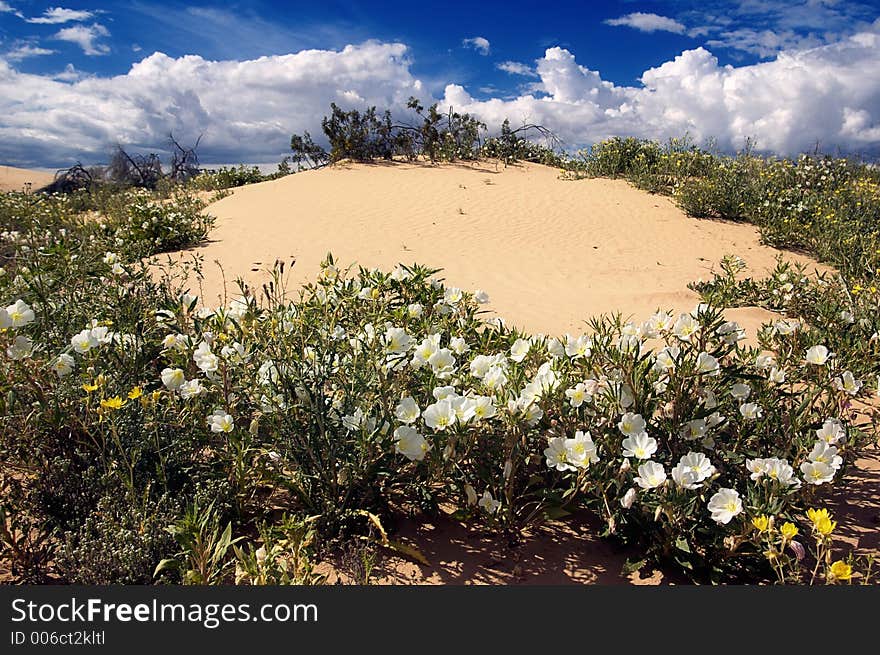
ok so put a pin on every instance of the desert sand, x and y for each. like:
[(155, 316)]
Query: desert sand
[(17, 179), (550, 252)]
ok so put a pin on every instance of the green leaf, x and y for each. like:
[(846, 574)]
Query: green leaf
[(682, 544), (167, 564)]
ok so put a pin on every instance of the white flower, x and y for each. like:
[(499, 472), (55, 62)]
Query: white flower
[(19, 314), (400, 273), (665, 359), (751, 411), (724, 505), (764, 362), (786, 326), (555, 347), (707, 364), (117, 269), (848, 383), (774, 468), (220, 421), (206, 360), (442, 362), (458, 345), (831, 432), (488, 503), (577, 395), (110, 257), (581, 451), (495, 378), (692, 470), (464, 408), (628, 498), (407, 410), (640, 446), (693, 430), (83, 342), (817, 355), (439, 416), (452, 295), (731, 332), (178, 342), (470, 494), (631, 424), (396, 341), (481, 296), (651, 475), (658, 324), (520, 349), (63, 365), (686, 327), (740, 391), (20, 348), (172, 378), (777, 375), (414, 310), (410, 443), (424, 351), (578, 347), (826, 454), (484, 408), (817, 472), (191, 389), (557, 455), (532, 414), (358, 421)]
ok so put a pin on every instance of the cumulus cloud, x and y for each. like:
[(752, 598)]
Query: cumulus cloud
[(25, 51), (516, 68), (828, 95), (647, 22), (58, 15), (478, 43), (86, 37), (248, 109)]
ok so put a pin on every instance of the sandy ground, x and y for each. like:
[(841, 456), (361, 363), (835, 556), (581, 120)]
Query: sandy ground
[(550, 253), (17, 179)]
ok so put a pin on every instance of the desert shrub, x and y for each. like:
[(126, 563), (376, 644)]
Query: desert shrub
[(121, 542), (227, 178)]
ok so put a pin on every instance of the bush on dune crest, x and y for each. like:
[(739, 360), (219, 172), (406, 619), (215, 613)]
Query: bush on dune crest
[(145, 435)]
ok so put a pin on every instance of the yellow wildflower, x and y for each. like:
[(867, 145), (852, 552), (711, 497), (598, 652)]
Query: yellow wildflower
[(840, 570), (135, 393), (789, 530), (113, 403), (822, 522), (761, 523), (89, 388)]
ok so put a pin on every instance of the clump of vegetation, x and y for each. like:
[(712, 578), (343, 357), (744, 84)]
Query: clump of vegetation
[(437, 136)]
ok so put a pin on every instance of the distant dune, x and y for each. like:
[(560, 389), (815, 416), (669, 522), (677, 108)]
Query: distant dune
[(550, 253), (16, 179)]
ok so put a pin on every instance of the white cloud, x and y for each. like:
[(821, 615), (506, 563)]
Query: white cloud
[(516, 68), (58, 15), (647, 22), (247, 110), (478, 43), (25, 51), (86, 37), (829, 94)]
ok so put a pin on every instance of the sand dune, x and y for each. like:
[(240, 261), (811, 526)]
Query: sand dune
[(550, 253), (17, 179)]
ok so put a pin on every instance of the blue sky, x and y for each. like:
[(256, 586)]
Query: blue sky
[(586, 59)]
